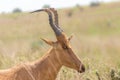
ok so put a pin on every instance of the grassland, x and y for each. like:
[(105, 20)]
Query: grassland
[(96, 40)]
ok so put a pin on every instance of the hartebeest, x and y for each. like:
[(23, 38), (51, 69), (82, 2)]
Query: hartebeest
[(49, 65)]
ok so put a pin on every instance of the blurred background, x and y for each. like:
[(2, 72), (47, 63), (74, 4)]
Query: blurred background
[(95, 25), (29, 5)]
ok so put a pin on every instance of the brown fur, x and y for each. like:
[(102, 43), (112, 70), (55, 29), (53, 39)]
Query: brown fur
[(46, 68)]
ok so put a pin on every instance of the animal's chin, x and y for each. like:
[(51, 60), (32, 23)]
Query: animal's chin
[(82, 69)]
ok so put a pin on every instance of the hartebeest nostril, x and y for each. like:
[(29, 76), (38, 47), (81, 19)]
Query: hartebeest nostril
[(82, 68)]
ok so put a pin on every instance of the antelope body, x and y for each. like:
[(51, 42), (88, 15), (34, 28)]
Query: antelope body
[(49, 65)]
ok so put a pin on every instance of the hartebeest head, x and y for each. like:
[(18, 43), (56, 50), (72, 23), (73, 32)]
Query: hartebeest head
[(62, 46)]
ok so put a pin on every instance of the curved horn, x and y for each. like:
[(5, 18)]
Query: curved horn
[(55, 16), (57, 30), (60, 35)]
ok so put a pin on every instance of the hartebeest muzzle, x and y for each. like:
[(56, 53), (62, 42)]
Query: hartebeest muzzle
[(81, 68)]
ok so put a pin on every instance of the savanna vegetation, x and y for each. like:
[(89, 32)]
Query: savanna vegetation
[(96, 39)]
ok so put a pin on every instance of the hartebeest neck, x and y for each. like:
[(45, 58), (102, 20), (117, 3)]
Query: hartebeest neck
[(48, 66)]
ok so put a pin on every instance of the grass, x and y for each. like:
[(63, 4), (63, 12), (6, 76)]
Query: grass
[(96, 39)]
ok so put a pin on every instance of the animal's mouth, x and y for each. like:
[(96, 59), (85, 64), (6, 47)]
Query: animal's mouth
[(81, 69)]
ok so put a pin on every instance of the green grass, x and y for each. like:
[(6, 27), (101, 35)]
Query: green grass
[(96, 40)]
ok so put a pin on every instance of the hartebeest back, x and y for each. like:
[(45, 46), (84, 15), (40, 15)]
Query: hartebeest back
[(49, 65)]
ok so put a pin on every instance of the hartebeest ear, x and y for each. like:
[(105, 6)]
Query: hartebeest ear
[(70, 37), (51, 43)]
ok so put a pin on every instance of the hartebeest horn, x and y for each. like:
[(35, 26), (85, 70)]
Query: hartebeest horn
[(56, 29), (60, 35), (55, 16), (56, 21)]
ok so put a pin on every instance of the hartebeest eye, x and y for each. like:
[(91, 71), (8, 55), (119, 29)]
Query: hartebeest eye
[(64, 47)]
